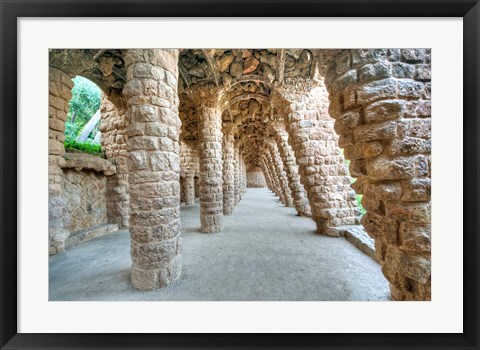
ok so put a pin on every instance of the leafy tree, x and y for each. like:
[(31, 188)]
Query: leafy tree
[(84, 103)]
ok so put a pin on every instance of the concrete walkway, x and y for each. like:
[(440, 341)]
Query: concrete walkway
[(266, 252)]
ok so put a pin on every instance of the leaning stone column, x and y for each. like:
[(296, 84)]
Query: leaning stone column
[(266, 175), (275, 177), (240, 176), (278, 164), (154, 166), (380, 100), (60, 87), (321, 165), (228, 174), (237, 176), (244, 168), (271, 177), (211, 163), (299, 197)]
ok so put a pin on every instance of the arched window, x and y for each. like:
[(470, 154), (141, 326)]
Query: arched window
[(83, 118)]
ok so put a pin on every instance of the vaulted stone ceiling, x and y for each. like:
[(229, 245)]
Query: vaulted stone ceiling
[(247, 78)]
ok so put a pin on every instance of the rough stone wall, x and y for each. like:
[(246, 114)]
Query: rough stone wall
[(381, 102), (85, 199), (228, 174), (321, 165), (154, 166), (255, 178), (114, 142), (60, 86)]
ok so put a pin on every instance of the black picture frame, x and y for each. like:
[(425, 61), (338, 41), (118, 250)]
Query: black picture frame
[(11, 10)]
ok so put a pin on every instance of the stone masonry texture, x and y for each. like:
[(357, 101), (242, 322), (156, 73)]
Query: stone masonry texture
[(315, 126), (380, 100), (154, 167)]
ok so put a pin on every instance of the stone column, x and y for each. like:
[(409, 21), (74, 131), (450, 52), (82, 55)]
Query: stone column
[(267, 175), (188, 168), (271, 176), (228, 174), (277, 187), (321, 165), (154, 166), (237, 176), (240, 176), (189, 189), (211, 163), (244, 177), (60, 87), (299, 196), (114, 142), (380, 100), (282, 176)]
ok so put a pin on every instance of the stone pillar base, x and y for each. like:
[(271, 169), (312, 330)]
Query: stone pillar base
[(153, 279), (211, 224)]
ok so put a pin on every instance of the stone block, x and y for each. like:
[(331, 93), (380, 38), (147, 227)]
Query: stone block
[(409, 264), (379, 70), (403, 70), (410, 145), (415, 237), (413, 55), (343, 81), (407, 211), (383, 168), (416, 190), (376, 90), (410, 89), (384, 190), (377, 131), (384, 110), (144, 113), (361, 57), (380, 227), (423, 72)]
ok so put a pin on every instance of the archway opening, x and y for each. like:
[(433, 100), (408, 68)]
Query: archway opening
[(82, 127)]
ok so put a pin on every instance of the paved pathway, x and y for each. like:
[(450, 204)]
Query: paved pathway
[(266, 252)]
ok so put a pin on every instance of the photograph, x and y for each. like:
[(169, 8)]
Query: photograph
[(239, 174)]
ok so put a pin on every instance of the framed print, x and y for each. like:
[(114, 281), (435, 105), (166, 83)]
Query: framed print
[(239, 174)]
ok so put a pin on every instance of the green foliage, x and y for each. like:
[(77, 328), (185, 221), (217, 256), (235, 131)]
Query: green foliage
[(84, 103), (359, 200), (358, 196), (72, 145)]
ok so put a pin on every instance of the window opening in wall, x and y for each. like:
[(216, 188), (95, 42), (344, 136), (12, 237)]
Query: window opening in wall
[(83, 119)]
